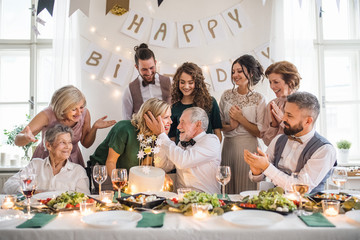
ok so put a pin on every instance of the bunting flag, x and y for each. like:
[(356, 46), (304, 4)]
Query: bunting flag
[(159, 2), (45, 4), (83, 5), (111, 3)]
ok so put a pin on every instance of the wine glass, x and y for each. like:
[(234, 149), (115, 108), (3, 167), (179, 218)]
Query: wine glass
[(119, 179), (223, 175), (339, 176), (300, 184), (28, 186), (99, 175)]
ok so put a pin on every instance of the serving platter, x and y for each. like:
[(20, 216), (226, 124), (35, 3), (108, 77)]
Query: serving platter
[(152, 204)]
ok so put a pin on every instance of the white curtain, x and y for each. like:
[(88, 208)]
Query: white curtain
[(67, 69), (293, 30)]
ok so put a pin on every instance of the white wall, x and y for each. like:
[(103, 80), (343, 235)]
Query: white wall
[(105, 98)]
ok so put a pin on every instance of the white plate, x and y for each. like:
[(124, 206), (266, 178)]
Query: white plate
[(354, 215), (45, 195), (169, 195), (252, 218), (10, 217), (112, 219), (249, 193)]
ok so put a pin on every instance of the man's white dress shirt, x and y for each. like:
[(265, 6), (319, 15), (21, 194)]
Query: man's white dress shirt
[(316, 167), (196, 165), (72, 177), (150, 91)]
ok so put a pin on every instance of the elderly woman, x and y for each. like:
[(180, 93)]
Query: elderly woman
[(55, 172), (68, 108), (284, 80), (120, 148)]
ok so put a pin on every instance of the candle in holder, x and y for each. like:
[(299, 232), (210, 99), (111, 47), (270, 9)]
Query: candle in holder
[(107, 197), (330, 207), (181, 192), (8, 202), (87, 208), (200, 211)]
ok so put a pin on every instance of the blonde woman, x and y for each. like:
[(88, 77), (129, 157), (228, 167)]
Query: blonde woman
[(121, 146), (67, 107)]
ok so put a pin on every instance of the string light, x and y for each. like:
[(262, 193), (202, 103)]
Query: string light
[(118, 48), (92, 29), (175, 65), (92, 76), (105, 38)]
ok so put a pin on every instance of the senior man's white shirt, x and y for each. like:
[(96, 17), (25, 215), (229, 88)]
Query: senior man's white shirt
[(195, 165), (72, 177)]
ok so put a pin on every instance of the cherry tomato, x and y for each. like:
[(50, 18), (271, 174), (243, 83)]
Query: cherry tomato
[(175, 200), (90, 200), (69, 205), (77, 205), (222, 203)]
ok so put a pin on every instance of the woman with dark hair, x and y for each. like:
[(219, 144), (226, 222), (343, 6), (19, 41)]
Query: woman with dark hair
[(242, 111), (284, 80), (190, 90)]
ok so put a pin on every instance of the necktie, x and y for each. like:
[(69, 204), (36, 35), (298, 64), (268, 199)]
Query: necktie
[(187, 143), (295, 139), (145, 83)]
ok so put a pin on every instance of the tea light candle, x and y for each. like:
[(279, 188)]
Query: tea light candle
[(330, 207), (181, 192), (107, 197), (235, 208), (9, 202), (87, 208), (292, 196), (200, 211)]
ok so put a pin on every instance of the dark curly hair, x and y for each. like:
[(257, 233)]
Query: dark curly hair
[(254, 69), (288, 71), (202, 97), (143, 52)]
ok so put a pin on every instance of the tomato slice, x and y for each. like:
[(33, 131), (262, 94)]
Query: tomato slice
[(69, 205)]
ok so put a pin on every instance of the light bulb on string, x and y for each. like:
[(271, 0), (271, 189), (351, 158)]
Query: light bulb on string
[(92, 29), (92, 76)]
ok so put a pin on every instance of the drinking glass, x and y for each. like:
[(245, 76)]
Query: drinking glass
[(339, 176), (99, 175), (223, 175), (28, 186), (300, 184), (119, 179)]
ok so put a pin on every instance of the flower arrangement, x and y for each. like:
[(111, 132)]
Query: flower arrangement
[(149, 146)]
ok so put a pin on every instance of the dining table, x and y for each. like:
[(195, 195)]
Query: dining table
[(69, 225)]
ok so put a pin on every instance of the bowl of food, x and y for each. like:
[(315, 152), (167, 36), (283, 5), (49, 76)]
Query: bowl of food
[(141, 200)]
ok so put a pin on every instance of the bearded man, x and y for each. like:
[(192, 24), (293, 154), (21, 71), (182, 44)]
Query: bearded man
[(300, 150)]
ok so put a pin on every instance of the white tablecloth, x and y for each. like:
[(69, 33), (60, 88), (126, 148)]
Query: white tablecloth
[(176, 226)]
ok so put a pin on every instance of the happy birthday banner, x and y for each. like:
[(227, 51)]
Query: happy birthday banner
[(120, 70), (189, 33)]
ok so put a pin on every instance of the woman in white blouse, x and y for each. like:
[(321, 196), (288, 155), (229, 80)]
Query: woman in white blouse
[(242, 111), (55, 172)]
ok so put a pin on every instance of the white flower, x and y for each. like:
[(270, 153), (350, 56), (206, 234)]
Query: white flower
[(140, 136), (149, 140), (158, 142), (143, 145), (141, 154), (146, 170), (156, 150)]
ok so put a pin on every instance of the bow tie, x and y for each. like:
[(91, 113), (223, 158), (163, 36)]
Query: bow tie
[(145, 83), (187, 143), (295, 139)]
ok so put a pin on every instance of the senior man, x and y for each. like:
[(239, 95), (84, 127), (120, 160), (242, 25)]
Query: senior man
[(197, 155), (301, 149)]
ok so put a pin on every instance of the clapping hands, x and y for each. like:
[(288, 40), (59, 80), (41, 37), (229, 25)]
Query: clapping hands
[(276, 114)]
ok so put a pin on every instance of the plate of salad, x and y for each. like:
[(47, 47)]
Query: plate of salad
[(64, 201), (271, 200)]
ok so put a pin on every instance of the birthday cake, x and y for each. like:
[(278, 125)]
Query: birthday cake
[(146, 179)]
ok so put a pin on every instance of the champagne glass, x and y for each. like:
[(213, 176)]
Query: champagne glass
[(99, 175), (28, 186), (119, 179), (223, 175), (339, 176), (300, 184)]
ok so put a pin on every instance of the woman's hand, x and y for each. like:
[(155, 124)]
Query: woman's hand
[(100, 123), (233, 123), (29, 136), (236, 113), (156, 126), (276, 114)]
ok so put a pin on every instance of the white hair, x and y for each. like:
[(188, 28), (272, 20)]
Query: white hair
[(199, 114)]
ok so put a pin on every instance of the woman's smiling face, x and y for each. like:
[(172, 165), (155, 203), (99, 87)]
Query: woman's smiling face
[(278, 85)]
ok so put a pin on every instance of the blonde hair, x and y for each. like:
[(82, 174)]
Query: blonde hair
[(156, 107), (65, 98)]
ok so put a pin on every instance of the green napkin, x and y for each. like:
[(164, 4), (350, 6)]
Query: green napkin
[(316, 220), (226, 197), (122, 195), (38, 221), (155, 220)]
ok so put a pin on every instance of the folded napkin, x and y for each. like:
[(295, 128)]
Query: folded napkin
[(155, 220), (122, 195), (316, 220), (226, 197), (38, 221)]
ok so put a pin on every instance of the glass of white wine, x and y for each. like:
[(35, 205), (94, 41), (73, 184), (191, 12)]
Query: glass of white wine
[(223, 175), (99, 175), (339, 176), (119, 179), (300, 185)]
